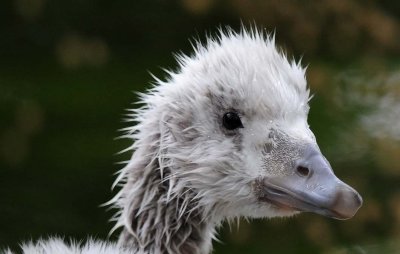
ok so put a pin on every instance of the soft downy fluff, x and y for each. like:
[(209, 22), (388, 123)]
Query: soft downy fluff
[(183, 178), (59, 246), (225, 136), (189, 172)]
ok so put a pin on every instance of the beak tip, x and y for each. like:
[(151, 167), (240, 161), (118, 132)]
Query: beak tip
[(347, 204)]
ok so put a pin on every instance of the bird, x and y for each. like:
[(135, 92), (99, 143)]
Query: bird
[(223, 136)]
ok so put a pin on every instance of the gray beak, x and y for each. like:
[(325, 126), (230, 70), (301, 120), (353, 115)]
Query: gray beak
[(312, 187)]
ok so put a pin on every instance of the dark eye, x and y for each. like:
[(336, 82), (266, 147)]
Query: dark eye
[(231, 121)]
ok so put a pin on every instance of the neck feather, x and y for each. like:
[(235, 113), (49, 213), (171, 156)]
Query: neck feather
[(158, 215)]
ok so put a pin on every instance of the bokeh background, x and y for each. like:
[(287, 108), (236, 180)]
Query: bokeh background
[(68, 69)]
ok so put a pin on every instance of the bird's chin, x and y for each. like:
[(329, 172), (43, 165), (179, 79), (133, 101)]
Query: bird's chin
[(265, 209), (280, 209)]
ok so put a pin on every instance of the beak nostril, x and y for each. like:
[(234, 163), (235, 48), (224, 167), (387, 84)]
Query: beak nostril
[(303, 171)]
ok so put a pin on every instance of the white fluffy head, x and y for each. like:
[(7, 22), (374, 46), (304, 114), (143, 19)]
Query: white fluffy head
[(244, 68), (184, 155)]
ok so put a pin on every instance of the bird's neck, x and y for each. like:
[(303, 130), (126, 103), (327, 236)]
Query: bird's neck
[(189, 237), (158, 221)]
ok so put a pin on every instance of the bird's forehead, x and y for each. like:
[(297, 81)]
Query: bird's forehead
[(257, 97), (244, 72), (253, 75), (255, 61)]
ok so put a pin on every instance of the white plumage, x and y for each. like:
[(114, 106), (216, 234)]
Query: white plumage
[(190, 168), (59, 246)]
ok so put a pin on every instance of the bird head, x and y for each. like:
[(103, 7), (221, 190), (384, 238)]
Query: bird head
[(234, 131)]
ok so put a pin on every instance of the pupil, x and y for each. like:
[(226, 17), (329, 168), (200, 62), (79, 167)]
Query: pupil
[(231, 121)]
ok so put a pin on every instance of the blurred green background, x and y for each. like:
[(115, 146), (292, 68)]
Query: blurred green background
[(68, 70)]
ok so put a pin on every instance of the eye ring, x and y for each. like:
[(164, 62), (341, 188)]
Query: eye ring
[(231, 120)]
